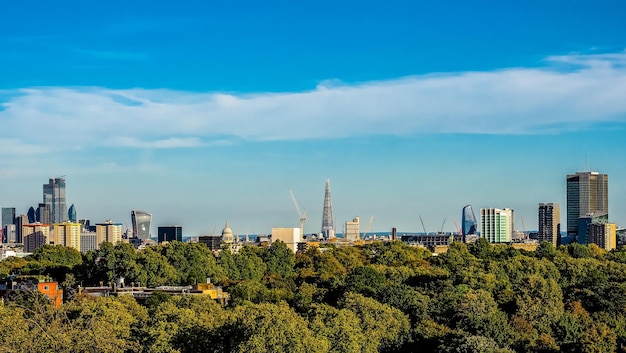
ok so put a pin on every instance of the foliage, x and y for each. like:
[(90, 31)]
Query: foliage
[(379, 297)]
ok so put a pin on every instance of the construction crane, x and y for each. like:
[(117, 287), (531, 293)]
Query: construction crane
[(442, 225), (301, 214), (423, 227), (369, 225), (458, 230)]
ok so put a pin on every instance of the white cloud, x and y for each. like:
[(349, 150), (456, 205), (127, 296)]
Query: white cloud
[(512, 101)]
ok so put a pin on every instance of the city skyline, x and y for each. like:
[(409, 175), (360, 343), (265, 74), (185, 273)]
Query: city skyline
[(201, 113)]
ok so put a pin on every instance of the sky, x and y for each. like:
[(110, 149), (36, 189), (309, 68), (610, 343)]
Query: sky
[(201, 112)]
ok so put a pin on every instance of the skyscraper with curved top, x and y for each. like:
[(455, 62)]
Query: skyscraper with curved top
[(141, 224), (328, 223), (469, 224)]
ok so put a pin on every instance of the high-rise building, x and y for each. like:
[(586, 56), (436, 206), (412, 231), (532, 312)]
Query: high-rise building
[(20, 221), (54, 195), (603, 235), (290, 236), (32, 215), (108, 232), (549, 222), (71, 214), (67, 234), (8, 225), (35, 236), (88, 241), (43, 213), (353, 230), (496, 225), (141, 224), (587, 193), (170, 233), (8, 215), (468, 222), (584, 224), (328, 222)]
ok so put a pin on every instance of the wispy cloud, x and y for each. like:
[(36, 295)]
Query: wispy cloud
[(511, 101)]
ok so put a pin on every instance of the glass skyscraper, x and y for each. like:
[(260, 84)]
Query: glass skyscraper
[(54, 195), (141, 224), (496, 225), (468, 221), (587, 194)]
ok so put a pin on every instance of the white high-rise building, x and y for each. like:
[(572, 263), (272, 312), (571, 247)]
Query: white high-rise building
[(496, 225)]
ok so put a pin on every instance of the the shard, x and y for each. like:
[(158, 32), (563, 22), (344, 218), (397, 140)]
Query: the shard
[(328, 223)]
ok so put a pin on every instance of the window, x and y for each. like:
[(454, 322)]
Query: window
[(46, 288)]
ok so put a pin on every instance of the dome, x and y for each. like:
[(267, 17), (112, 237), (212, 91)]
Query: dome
[(227, 234)]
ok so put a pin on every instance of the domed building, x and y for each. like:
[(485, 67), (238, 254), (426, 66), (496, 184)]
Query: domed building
[(227, 235)]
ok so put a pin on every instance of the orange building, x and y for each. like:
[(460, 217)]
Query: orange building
[(52, 291)]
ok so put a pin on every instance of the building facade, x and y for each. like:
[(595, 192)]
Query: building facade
[(289, 236), (141, 224), (587, 193), (67, 234), (603, 235), (353, 230), (468, 221), (170, 233), (328, 221), (54, 195), (549, 222), (108, 232), (35, 236), (496, 225)]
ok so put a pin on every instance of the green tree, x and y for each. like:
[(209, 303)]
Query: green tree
[(341, 327), (279, 259), (384, 327)]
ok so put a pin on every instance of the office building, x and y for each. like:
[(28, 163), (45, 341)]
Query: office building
[(468, 222), (496, 225), (549, 223), (603, 235), (213, 242), (43, 214), (328, 222), (587, 193), (32, 215), (289, 236), (353, 230), (141, 224), (8, 225), (54, 195), (8, 215), (170, 233), (584, 222), (88, 241), (35, 235), (20, 221), (67, 234), (108, 232), (71, 214)]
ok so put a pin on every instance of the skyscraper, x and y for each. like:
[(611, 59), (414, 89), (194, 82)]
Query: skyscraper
[(587, 193), (71, 214), (328, 223), (8, 215), (141, 224), (468, 221), (549, 222), (54, 195), (496, 225)]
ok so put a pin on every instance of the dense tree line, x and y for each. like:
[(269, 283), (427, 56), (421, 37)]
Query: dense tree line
[(380, 297)]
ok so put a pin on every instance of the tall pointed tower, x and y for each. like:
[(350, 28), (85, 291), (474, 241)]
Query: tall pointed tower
[(328, 224)]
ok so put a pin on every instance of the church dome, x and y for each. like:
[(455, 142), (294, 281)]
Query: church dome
[(227, 234)]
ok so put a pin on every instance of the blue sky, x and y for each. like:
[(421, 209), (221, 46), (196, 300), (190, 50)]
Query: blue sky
[(201, 112)]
